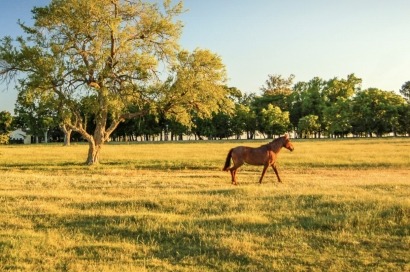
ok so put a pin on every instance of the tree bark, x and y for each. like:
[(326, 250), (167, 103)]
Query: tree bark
[(93, 152), (67, 138), (46, 136), (67, 134)]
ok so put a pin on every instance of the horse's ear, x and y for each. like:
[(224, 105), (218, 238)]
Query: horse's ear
[(286, 136)]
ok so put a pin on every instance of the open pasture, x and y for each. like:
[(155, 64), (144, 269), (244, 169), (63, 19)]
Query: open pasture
[(344, 205)]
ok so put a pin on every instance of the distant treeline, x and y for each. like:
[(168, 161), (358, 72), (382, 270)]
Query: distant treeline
[(317, 108)]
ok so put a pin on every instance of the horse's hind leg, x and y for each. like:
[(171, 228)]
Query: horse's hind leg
[(233, 170), (233, 175)]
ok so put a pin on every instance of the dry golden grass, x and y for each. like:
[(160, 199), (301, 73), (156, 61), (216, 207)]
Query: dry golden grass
[(343, 205)]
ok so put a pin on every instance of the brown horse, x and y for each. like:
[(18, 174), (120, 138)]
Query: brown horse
[(264, 155)]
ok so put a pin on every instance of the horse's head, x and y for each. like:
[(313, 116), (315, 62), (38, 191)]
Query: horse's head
[(287, 144)]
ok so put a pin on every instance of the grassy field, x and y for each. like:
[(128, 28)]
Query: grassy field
[(344, 206)]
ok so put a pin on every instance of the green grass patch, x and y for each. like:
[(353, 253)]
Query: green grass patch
[(168, 207)]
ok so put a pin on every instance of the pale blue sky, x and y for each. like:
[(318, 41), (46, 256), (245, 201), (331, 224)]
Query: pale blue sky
[(307, 38)]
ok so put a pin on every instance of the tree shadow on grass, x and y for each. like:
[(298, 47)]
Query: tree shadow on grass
[(169, 244), (170, 241), (161, 164), (161, 233), (133, 205), (40, 166), (128, 164), (328, 214)]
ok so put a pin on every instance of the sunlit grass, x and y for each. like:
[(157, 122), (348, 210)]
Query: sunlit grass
[(343, 205)]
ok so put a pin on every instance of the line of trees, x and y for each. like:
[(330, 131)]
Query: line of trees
[(331, 108)]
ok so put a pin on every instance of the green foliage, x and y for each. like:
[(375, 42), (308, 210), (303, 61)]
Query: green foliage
[(5, 126), (37, 110), (5, 121), (337, 117), (312, 98), (404, 119), (244, 120), (308, 126), (341, 88), (198, 87), (376, 111), (273, 121), (217, 127), (405, 91), (275, 84), (277, 91), (4, 138)]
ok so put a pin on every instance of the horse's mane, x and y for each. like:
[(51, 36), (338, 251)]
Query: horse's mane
[(276, 144)]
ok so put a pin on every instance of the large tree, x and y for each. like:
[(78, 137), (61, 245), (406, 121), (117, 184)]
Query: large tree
[(336, 108), (275, 85), (111, 52), (308, 100), (197, 85), (276, 91), (376, 111), (272, 121), (341, 88), (337, 116)]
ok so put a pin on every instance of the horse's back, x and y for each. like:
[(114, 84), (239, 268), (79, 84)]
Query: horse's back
[(250, 155)]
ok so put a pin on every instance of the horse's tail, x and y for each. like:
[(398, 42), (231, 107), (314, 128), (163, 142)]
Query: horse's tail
[(228, 161)]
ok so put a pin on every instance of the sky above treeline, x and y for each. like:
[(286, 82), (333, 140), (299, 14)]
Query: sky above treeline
[(306, 38)]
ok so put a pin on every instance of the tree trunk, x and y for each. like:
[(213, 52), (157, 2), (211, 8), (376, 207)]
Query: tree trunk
[(45, 136), (96, 142), (101, 133), (67, 138), (93, 152), (67, 134)]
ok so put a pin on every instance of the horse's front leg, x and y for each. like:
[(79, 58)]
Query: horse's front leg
[(276, 172), (265, 167)]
